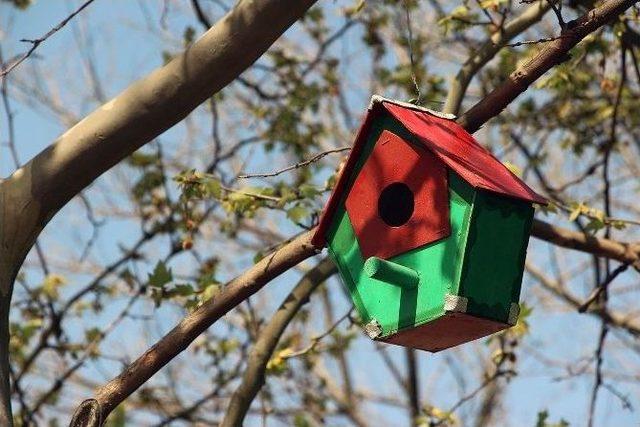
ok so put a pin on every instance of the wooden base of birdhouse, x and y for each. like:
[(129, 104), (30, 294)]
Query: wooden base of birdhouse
[(449, 330)]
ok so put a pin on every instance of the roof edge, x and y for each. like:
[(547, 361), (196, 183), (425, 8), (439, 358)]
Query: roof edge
[(379, 99)]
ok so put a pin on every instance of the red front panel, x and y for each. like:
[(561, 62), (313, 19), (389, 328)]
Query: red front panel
[(405, 166)]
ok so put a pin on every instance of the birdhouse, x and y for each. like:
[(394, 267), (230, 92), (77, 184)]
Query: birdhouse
[(429, 231)]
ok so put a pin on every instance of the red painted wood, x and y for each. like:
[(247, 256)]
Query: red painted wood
[(319, 238), (449, 142), (448, 331), (425, 176)]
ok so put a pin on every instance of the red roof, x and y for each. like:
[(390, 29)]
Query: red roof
[(453, 145)]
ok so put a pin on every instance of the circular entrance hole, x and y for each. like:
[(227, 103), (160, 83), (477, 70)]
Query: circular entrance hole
[(395, 204)]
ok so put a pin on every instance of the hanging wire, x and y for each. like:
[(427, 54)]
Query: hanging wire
[(418, 99)]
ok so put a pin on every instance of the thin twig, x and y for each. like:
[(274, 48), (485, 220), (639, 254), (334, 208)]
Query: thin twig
[(36, 42), (557, 9), (316, 340), (528, 42), (253, 378), (485, 383), (597, 291), (602, 291), (204, 20), (296, 166), (486, 13)]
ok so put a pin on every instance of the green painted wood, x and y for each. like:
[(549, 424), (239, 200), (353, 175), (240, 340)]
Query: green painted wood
[(495, 254), (344, 249), (390, 272), (439, 265)]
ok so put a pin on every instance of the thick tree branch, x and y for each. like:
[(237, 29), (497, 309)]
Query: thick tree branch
[(178, 339), (35, 192), (520, 79), (552, 54), (624, 252), (254, 376), (488, 50), (140, 113)]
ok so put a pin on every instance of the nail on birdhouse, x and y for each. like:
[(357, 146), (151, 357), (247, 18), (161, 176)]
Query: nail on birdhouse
[(429, 231)]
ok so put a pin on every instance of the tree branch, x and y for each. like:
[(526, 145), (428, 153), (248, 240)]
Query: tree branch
[(36, 42), (624, 252), (178, 339), (602, 287), (298, 165), (553, 53), (413, 391), (617, 320), (488, 50), (254, 376), (140, 113)]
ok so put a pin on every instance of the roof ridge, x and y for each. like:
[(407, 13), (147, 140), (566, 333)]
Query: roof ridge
[(379, 99)]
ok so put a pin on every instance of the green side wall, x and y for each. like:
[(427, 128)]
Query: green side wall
[(495, 254)]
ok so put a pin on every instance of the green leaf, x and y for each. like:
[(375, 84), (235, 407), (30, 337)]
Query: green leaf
[(522, 326), (309, 191), (355, 9), (486, 4), (258, 257), (297, 213), (160, 276), (141, 159), (594, 225), (300, 420), (278, 362), (209, 292), (93, 334), (576, 210), (183, 290), (543, 416), (618, 225), (460, 11), (213, 188), (51, 285)]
